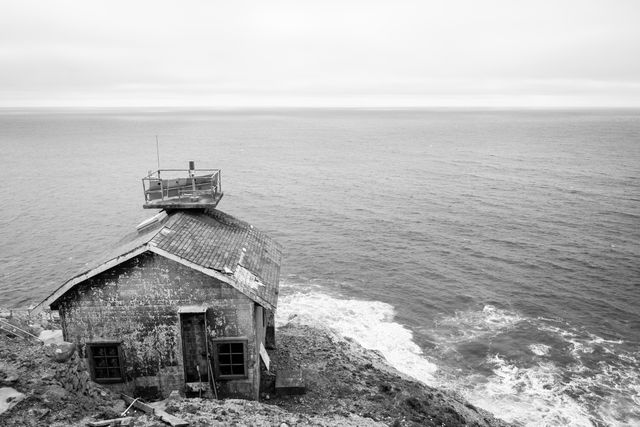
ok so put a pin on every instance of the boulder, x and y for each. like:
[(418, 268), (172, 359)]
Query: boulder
[(8, 374), (8, 398), (60, 352)]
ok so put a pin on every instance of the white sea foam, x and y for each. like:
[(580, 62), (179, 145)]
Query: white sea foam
[(532, 396), (539, 349), (514, 393), (369, 323), (538, 395), (582, 342), (617, 383), (473, 324)]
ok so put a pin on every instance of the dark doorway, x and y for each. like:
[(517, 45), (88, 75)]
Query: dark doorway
[(194, 347)]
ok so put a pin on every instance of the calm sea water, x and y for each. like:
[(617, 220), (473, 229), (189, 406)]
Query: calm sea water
[(496, 253)]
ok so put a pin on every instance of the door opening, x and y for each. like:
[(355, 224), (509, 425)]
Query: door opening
[(193, 328)]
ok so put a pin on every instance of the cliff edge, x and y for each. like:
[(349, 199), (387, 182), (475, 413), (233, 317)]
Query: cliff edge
[(346, 385)]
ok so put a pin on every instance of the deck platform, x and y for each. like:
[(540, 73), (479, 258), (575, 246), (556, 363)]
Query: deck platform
[(182, 188), (185, 202)]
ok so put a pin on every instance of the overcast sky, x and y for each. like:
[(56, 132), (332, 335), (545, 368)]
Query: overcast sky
[(374, 53)]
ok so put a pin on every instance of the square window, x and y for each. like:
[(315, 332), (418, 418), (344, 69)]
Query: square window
[(231, 359), (105, 360)]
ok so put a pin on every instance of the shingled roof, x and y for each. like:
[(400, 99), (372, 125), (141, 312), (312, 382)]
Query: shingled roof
[(211, 242)]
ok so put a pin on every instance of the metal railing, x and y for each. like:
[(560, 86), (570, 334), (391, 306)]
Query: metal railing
[(196, 184)]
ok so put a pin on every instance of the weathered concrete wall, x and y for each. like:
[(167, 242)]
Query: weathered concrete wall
[(137, 303)]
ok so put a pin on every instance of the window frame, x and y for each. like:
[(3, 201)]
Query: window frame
[(91, 346), (216, 354)]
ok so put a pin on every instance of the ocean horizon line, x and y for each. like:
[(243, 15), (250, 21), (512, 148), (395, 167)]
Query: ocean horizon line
[(195, 108)]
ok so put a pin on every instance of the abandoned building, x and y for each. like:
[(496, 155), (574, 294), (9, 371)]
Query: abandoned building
[(186, 302)]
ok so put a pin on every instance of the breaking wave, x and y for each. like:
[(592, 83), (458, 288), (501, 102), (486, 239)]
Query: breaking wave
[(369, 323), (549, 383), (533, 396), (559, 376)]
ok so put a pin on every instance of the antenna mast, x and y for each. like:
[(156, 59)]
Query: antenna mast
[(158, 152)]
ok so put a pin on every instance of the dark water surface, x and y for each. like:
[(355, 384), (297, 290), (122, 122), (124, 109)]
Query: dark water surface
[(492, 252)]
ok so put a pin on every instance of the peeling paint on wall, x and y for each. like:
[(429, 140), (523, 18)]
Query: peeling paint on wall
[(136, 303)]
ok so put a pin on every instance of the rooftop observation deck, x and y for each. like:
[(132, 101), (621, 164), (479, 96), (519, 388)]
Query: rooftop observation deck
[(197, 189)]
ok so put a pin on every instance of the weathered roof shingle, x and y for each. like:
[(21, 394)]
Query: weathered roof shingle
[(211, 241)]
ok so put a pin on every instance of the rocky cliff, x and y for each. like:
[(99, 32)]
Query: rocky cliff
[(345, 385)]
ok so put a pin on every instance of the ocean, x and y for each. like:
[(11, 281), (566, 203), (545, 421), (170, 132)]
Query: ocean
[(493, 253)]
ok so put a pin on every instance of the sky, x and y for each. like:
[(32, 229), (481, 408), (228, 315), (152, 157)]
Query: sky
[(320, 53)]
